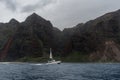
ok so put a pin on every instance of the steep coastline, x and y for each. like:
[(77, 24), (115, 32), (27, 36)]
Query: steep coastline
[(97, 40)]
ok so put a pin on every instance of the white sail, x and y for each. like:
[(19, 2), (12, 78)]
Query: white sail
[(51, 54)]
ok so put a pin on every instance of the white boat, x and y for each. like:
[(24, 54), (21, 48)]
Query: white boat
[(52, 61)]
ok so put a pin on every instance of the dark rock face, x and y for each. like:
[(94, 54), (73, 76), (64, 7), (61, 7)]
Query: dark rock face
[(42, 28), (7, 30), (57, 42), (31, 38), (91, 36), (67, 36), (35, 36)]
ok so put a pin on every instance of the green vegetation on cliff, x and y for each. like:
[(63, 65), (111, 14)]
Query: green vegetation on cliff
[(76, 57), (72, 57)]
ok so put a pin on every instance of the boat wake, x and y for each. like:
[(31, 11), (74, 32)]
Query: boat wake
[(11, 62), (38, 64)]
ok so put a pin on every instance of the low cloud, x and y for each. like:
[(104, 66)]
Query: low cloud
[(39, 5), (10, 4), (68, 13)]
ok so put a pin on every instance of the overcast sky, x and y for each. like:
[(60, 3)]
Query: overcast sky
[(61, 13)]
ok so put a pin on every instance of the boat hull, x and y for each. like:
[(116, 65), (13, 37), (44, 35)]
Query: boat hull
[(55, 62)]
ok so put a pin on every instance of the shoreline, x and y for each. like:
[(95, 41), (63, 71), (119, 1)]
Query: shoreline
[(62, 62)]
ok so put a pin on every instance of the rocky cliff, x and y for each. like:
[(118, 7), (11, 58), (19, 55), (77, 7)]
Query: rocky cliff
[(91, 38), (99, 39)]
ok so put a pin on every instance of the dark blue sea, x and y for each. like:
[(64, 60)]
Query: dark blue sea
[(64, 71)]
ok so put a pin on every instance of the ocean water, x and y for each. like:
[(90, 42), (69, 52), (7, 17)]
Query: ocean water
[(64, 71)]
